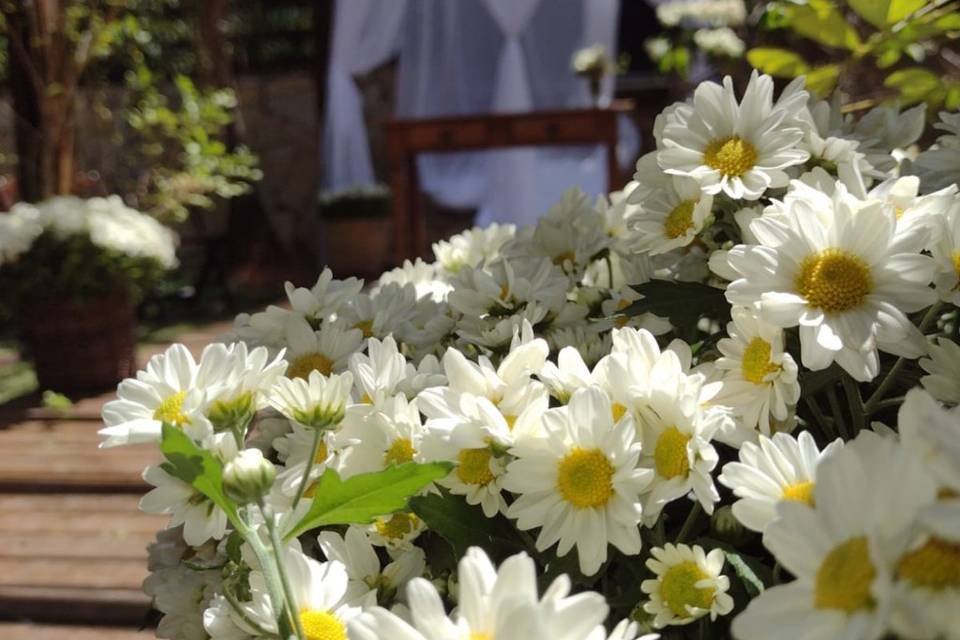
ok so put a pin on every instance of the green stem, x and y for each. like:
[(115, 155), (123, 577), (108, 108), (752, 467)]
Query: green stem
[(826, 429), (689, 522), (305, 480), (857, 413), (870, 407), (837, 413), (268, 564), (289, 598)]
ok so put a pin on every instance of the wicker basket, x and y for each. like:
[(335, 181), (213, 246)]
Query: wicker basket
[(80, 346)]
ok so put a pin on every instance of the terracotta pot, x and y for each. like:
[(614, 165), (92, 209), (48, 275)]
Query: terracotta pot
[(80, 345), (359, 245)]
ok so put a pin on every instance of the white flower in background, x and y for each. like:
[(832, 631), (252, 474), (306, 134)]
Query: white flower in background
[(836, 266), (580, 483), (114, 225), (507, 285), (722, 41), (688, 585), (740, 149), (939, 166), (671, 217), (200, 517), (843, 551), (389, 311), (396, 532), (326, 350), (320, 591), (492, 604), (355, 552), (389, 436), (18, 230), (759, 376), (946, 252), (383, 372), (181, 594), (780, 468), (943, 371), (885, 133), (325, 298), (165, 391), (656, 48), (929, 211), (592, 59), (316, 402), (473, 247), (616, 211), (424, 276), (624, 630)]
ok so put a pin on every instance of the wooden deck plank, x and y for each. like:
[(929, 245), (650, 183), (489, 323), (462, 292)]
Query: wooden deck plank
[(81, 573), (85, 605), (29, 631), (78, 523)]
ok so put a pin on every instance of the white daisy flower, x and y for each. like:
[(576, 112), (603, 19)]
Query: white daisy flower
[(359, 557), (939, 166), (383, 372), (624, 630), (202, 520), (946, 253), (389, 311), (18, 229), (397, 532), (165, 391), (473, 247), (672, 216), (759, 376), (740, 149), (181, 594), (237, 380), (943, 371), (929, 211), (424, 276), (507, 285), (836, 267), (389, 436), (315, 400), (688, 585), (580, 482), (842, 551), (326, 350), (492, 604), (780, 468), (293, 449), (324, 299)]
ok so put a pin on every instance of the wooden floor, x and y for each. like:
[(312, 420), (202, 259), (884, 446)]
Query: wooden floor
[(72, 540)]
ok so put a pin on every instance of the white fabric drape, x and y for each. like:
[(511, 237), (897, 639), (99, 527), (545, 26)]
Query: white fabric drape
[(365, 35)]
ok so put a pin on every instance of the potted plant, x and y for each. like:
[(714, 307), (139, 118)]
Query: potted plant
[(73, 269), (358, 229)]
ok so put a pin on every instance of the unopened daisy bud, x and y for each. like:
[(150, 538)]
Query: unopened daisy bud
[(318, 402), (726, 527), (248, 477)]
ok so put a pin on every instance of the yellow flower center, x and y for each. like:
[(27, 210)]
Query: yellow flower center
[(560, 258), (678, 590), (799, 492), (680, 220), (397, 526), (731, 156), (935, 565), (474, 466), (399, 452), (618, 411), (670, 454), (585, 478), (956, 262), (302, 366), (366, 326), (899, 211), (321, 625), (320, 458), (171, 410), (366, 399), (834, 280), (480, 635), (756, 361), (844, 578), (511, 421)]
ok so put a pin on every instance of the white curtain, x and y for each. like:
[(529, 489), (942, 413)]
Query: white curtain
[(482, 56), (365, 35)]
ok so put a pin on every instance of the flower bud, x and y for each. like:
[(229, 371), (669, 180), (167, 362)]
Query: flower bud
[(726, 527), (248, 477)]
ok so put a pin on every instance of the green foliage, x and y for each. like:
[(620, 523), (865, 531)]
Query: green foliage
[(197, 467), (180, 140), (464, 526), (74, 268), (361, 498), (780, 63), (683, 303)]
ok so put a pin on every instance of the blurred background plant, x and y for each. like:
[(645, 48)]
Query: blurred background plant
[(874, 51)]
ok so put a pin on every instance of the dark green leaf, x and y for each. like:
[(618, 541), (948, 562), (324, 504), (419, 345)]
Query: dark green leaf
[(465, 526), (683, 303), (821, 21), (195, 466), (777, 62), (360, 499), (822, 80), (812, 382), (916, 84)]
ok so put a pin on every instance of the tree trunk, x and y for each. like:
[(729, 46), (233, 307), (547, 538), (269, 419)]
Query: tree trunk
[(26, 110)]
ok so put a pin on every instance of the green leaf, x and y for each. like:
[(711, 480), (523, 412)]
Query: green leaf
[(812, 382), (361, 498), (195, 466), (823, 80), (900, 9), (683, 303), (465, 526), (751, 582), (822, 22), (777, 62), (916, 84)]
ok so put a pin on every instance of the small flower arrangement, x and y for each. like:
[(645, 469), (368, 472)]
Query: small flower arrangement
[(720, 403), (594, 64), (73, 248)]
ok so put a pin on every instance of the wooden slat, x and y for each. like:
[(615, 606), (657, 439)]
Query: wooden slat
[(84, 605), (80, 523), (27, 631), (97, 573), (35, 503)]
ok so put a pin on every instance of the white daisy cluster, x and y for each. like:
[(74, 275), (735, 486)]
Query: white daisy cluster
[(108, 222), (676, 396)]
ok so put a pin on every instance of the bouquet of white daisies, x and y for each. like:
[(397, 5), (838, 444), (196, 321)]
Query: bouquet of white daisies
[(718, 403)]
